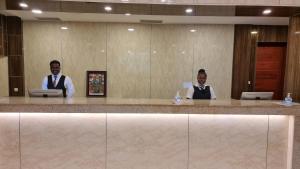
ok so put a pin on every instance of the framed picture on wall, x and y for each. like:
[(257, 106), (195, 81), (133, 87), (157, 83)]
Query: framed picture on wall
[(96, 84)]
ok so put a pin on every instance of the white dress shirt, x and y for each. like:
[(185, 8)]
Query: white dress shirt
[(70, 90), (190, 92)]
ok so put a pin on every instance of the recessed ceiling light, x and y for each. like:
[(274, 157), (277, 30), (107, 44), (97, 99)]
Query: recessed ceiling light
[(189, 10), (254, 32), (267, 11), (163, 1), (23, 5), (125, 0), (36, 11), (193, 30), (108, 8), (128, 14), (130, 29), (64, 28)]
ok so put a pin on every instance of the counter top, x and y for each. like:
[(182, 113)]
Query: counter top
[(113, 105)]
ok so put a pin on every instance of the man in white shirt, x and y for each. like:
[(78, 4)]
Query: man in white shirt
[(58, 81), (200, 90)]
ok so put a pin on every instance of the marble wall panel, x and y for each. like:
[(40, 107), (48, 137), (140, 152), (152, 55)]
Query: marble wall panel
[(4, 76), (9, 141), (171, 59), (147, 141), (42, 43), (63, 141), (83, 48), (205, 2), (213, 51), (222, 141), (128, 60), (151, 62), (278, 140), (238, 2), (169, 1), (290, 2)]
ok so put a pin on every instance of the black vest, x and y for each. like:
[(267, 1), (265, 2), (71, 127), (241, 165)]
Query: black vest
[(60, 84), (201, 94)]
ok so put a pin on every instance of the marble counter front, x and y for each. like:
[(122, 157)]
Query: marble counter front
[(111, 105)]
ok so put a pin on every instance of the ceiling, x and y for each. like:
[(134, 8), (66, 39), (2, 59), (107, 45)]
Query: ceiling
[(149, 11)]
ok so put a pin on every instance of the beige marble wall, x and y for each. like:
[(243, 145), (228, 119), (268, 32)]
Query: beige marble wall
[(171, 59), (4, 90), (63, 141), (147, 141), (42, 43), (207, 2), (128, 60), (83, 48), (240, 2), (290, 2), (213, 51), (151, 62), (9, 141)]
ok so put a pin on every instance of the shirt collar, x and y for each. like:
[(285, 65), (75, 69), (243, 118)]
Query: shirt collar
[(58, 76), (197, 85)]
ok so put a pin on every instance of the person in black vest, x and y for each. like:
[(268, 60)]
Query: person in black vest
[(58, 81), (200, 90)]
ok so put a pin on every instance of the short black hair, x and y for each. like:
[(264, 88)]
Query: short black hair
[(54, 62), (202, 71)]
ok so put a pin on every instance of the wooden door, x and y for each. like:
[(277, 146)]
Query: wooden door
[(269, 70)]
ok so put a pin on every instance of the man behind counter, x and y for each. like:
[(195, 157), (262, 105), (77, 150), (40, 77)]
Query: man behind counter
[(58, 81), (200, 90)]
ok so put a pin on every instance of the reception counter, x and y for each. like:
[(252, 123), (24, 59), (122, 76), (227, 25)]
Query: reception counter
[(94, 133)]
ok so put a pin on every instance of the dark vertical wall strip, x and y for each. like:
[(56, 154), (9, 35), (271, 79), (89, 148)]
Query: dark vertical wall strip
[(292, 77), (15, 56), (272, 33), (245, 50), (252, 62), (241, 60)]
